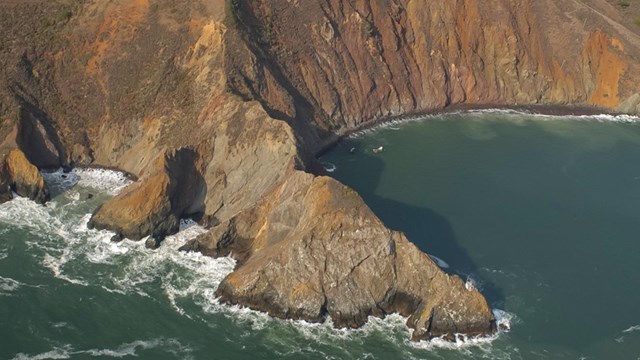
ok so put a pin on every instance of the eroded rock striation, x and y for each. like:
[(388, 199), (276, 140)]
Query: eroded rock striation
[(218, 107)]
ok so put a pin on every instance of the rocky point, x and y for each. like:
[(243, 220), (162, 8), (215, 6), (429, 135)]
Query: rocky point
[(219, 108)]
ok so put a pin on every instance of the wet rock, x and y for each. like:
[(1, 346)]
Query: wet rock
[(118, 237), (152, 243), (154, 204), (19, 175), (252, 116)]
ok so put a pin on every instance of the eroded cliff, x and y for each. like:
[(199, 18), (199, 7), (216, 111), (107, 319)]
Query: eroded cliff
[(220, 106)]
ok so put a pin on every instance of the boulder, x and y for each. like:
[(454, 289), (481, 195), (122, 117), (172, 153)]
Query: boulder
[(22, 177), (154, 204)]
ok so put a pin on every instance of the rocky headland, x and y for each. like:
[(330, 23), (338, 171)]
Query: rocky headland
[(219, 107)]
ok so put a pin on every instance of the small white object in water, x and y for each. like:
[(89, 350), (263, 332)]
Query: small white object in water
[(329, 167), (378, 150), (439, 261)]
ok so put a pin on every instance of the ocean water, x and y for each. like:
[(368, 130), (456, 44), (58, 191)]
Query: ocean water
[(541, 213)]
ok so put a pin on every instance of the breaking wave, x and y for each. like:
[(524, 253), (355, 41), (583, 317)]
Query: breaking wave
[(65, 248), (396, 123)]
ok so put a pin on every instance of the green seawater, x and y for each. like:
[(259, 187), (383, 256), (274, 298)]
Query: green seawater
[(540, 213)]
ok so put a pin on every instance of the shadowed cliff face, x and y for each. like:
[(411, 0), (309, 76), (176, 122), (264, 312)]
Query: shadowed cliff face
[(217, 105), (356, 61)]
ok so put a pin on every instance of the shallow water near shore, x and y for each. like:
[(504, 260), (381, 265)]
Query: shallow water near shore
[(539, 212)]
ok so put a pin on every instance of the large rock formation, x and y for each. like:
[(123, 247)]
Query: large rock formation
[(220, 106), (312, 248)]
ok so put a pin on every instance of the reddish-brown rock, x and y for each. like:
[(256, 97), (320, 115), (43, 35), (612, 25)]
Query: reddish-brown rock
[(255, 88), (19, 175)]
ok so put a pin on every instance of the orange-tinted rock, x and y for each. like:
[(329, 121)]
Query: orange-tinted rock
[(19, 175), (155, 204), (255, 94)]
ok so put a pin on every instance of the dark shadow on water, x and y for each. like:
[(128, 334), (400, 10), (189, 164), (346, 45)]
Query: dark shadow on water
[(426, 228)]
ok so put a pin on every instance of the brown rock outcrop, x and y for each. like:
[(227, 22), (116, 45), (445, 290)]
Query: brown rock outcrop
[(155, 204), (237, 96), (312, 249), (19, 175)]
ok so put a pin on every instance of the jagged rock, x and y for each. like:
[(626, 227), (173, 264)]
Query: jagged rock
[(254, 103), (312, 248), (222, 240), (154, 205), (19, 175)]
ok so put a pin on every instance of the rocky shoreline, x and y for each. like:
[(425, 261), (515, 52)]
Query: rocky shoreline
[(223, 119)]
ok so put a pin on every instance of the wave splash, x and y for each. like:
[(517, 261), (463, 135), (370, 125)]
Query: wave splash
[(132, 349), (396, 123), (66, 247)]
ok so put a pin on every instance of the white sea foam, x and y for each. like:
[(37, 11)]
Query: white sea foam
[(64, 240), (465, 343), (8, 285), (109, 181), (396, 123), (131, 349), (56, 353), (632, 329), (443, 264), (62, 234), (329, 167)]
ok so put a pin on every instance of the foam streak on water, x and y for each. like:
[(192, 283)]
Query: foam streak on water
[(632, 329), (132, 349), (69, 251), (396, 123)]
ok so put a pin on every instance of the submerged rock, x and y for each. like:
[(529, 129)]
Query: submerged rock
[(21, 176), (313, 249)]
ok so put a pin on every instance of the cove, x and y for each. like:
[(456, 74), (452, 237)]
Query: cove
[(540, 212)]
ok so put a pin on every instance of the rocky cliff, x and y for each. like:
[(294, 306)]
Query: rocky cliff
[(218, 107)]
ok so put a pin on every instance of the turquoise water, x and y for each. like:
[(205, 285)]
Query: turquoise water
[(542, 215)]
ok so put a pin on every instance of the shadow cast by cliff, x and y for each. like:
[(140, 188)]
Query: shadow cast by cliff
[(426, 228)]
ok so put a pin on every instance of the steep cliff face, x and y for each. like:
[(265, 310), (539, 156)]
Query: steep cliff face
[(219, 107), (356, 61)]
